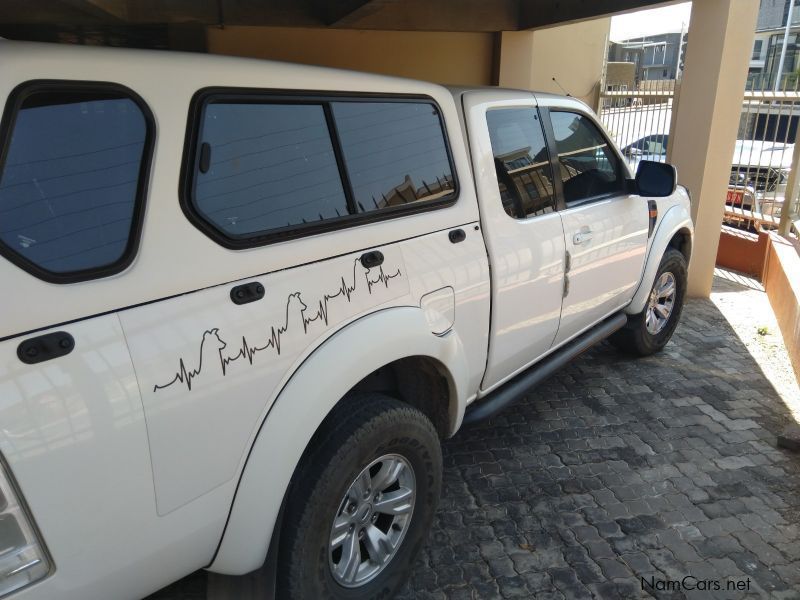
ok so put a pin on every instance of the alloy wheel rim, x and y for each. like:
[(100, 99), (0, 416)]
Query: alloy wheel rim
[(661, 303), (372, 520)]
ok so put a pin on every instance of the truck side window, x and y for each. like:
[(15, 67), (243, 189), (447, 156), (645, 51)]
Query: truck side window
[(268, 166), (262, 166), (394, 152), (521, 161), (73, 179), (589, 168)]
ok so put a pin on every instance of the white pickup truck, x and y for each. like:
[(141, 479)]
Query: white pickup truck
[(243, 301)]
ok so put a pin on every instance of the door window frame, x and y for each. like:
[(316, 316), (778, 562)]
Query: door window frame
[(625, 188)]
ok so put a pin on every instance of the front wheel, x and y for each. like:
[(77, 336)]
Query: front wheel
[(649, 331), (361, 503)]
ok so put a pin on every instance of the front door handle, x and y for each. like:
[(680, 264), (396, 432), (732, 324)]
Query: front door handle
[(582, 236)]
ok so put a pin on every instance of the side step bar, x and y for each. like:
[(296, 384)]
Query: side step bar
[(514, 389)]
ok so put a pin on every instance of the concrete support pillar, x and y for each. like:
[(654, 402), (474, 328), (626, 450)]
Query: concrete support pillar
[(516, 59), (574, 54), (704, 135)]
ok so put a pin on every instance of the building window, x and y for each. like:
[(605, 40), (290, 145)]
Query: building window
[(73, 179), (772, 60), (757, 49)]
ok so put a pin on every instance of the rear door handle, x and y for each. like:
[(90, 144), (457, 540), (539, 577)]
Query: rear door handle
[(371, 259), (45, 347)]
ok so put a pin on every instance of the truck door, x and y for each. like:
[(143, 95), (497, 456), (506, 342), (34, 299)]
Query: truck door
[(605, 226), (523, 231)]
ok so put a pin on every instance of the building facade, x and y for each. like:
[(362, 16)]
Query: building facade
[(768, 45), (656, 57)]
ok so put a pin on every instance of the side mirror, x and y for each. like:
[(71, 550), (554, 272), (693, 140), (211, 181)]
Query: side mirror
[(656, 179)]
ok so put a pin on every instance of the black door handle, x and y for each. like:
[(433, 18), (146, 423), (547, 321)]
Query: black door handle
[(457, 235), (247, 292), (45, 347), (371, 259)]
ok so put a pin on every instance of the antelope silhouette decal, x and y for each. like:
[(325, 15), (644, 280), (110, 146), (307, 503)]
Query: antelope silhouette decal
[(297, 316), (210, 342)]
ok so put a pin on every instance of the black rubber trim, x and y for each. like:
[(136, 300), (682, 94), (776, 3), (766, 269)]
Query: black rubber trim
[(552, 152), (514, 389), (15, 99), (189, 164), (336, 144)]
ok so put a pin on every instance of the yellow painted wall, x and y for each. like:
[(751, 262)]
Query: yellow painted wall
[(782, 283), (573, 54), (449, 58)]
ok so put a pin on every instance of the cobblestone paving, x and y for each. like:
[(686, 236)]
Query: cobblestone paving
[(619, 471)]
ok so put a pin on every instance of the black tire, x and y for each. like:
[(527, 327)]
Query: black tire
[(634, 338), (356, 433)]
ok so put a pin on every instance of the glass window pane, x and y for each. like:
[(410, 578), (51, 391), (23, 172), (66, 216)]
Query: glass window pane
[(588, 166), (394, 152), (270, 166), (69, 182), (521, 161)]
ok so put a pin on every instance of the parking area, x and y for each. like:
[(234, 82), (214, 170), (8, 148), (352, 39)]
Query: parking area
[(619, 474)]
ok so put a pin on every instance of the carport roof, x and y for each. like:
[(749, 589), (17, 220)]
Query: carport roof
[(133, 22)]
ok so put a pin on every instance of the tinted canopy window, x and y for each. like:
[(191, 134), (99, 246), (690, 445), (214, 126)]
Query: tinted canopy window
[(267, 166), (275, 167), (588, 166), (521, 161), (394, 152), (68, 190)]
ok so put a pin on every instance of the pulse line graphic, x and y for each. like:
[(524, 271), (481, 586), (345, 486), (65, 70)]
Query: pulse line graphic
[(294, 306)]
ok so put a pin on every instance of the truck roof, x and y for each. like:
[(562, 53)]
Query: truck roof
[(345, 79), (502, 92)]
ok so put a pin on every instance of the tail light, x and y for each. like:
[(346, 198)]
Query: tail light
[(23, 557)]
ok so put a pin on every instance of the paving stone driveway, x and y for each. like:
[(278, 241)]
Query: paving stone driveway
[(617, 470)]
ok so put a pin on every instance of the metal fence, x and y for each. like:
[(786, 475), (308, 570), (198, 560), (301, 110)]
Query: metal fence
[(762, 173), (764, 180), (638, 117)]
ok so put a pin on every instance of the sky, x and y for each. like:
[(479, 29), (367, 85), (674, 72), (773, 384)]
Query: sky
[(650, 22)]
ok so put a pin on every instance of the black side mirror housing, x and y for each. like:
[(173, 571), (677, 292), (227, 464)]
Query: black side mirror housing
[(656, 179)]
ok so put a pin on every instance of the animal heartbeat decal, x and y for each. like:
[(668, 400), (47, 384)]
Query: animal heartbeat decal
[(297, 315)]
